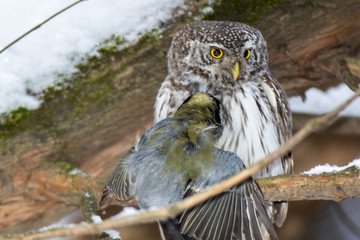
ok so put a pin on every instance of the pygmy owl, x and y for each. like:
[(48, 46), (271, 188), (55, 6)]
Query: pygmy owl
[(229, 60)]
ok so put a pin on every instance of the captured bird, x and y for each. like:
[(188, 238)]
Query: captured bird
[(177, 158), (229, 60)]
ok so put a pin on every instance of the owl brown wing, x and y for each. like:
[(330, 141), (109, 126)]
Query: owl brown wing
[(284, 118)]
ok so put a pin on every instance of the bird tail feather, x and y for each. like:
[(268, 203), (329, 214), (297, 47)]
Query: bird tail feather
[(238, 213)]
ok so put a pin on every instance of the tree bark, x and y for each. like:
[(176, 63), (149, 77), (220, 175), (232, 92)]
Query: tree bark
[(307, 43), (335, 186)]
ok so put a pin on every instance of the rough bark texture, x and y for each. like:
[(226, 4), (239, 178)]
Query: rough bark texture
[(299, 187), (310, 45), (327, 186), (307, 43)]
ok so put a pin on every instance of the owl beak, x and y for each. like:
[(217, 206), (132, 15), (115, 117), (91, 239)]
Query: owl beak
[(235, 70)]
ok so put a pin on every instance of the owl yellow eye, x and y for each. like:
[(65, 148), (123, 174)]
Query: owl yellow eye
[(247, 53), (216, 53)]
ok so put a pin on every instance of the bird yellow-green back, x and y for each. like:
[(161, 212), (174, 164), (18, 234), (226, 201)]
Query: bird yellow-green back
[(192, 152)]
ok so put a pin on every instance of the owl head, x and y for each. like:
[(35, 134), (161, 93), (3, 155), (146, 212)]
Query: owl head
[(218, 51)]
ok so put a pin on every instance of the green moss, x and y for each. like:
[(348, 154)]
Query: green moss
[(85, 93), (247, 11), (14, 122), (65, 167), (88, 206)]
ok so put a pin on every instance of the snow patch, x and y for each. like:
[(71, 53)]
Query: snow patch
[(207, 10), (319, 102), (33, 63), (327, 168), (96, 219), (112, 233), (77, 171), (127, 211), (55, 226)]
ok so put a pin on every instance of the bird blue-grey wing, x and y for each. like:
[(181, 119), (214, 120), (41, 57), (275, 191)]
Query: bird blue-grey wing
[(121, 184), (141, 175), (235, 214), (156, 187), (169, 231), (238, 213)]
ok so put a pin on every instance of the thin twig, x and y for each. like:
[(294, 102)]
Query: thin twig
[(39, 25), (177, 208)]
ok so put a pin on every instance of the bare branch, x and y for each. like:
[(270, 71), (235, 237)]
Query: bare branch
[(39, 25)]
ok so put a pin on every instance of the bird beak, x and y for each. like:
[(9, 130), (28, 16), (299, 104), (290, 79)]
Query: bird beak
[(209, 128), (235, 70)]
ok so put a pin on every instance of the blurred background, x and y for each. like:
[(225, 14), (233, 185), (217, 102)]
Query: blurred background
[(76, 93)]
